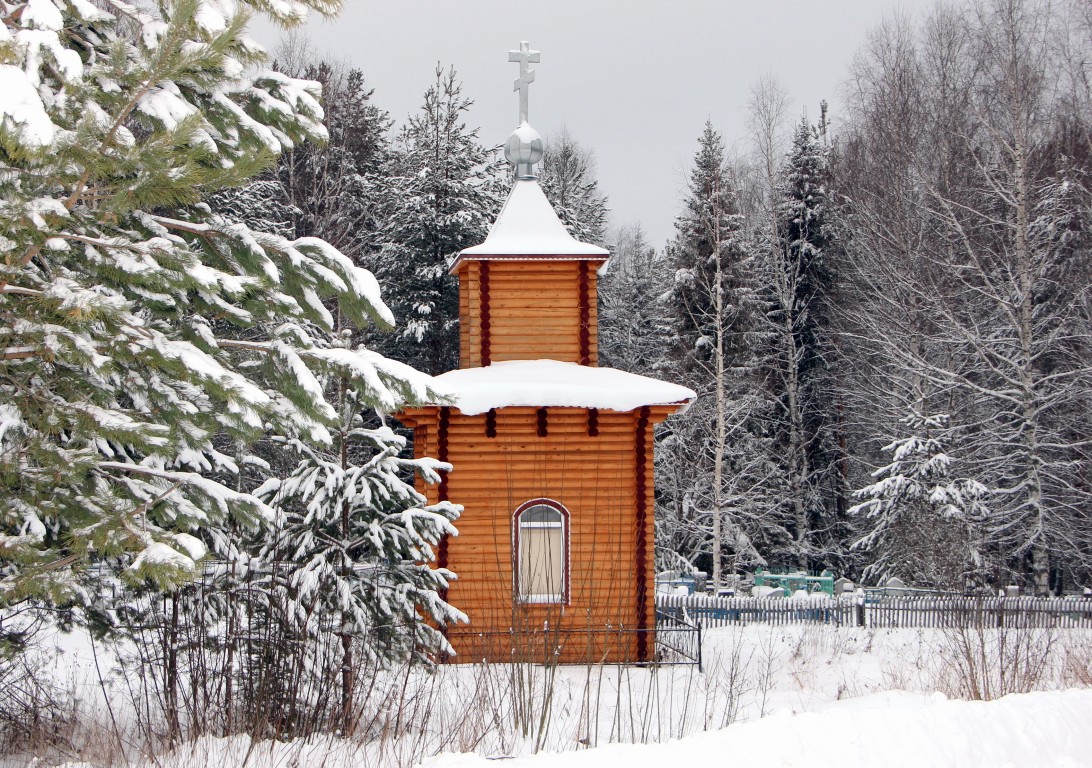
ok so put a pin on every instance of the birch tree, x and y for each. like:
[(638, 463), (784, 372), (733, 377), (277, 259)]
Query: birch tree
[(1012, 240), (712, 307), (980, 270)]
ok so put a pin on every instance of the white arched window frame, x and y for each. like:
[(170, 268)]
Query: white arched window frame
[(540, 547)]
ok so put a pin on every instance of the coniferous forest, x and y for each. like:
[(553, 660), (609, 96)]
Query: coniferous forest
[(220, 275), (886, 321)]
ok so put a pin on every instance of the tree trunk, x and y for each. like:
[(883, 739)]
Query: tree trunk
[(170, 673), (1026, 271), (718, 355)]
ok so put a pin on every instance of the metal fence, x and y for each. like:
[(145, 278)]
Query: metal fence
[(890, 611), (678, 639)]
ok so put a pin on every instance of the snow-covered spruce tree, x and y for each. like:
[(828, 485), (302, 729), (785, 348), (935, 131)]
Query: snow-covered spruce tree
[(567, 176), (358, 538), (923, 526), (633, 333), (798, 282), (261, 204), (444, 195), (134, 318), (712, 304)]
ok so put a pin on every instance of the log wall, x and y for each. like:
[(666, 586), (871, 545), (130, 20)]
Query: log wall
[(527, 310), (594, 474)]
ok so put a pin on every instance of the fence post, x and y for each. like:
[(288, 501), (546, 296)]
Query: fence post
[(860, 607), (700, 669)]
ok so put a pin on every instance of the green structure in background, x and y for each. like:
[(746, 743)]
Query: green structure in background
[(796, 580)]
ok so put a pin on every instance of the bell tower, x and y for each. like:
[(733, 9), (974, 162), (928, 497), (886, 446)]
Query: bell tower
[(528, 291)]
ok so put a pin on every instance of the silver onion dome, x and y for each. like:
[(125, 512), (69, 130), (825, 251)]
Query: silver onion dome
[(523, 149)]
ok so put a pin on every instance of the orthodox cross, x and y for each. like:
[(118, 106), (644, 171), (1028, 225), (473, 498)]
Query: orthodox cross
[(524, 56)]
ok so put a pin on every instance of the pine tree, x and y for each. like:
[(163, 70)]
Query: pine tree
[(333, 190), (444, 196), (135, 317), (922, 526), (357, 538)]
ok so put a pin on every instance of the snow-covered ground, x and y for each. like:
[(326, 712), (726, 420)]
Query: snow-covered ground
[(779, 695), (891, 730)]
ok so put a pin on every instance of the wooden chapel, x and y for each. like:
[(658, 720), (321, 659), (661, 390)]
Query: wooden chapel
[(552, 455)]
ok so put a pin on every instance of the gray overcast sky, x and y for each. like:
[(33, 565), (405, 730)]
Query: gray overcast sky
[(633, 80)]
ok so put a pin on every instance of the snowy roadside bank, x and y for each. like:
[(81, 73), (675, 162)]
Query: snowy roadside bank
[(860, 684), (892, 729)]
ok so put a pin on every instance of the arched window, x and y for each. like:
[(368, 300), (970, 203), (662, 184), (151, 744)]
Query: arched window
[(541, 547)]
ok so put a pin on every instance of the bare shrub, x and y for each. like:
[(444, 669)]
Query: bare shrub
[(769, 661), (986, 662), (34, 714), (729, 681), (1077, 664)]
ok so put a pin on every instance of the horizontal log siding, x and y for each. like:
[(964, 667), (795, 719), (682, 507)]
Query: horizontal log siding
[(422, 447), (547, 646), (593, 477), (534, 311), (464, 321), (470, 354)]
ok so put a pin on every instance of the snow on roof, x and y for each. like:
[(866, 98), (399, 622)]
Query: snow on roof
[(544, 383), (529, 226)]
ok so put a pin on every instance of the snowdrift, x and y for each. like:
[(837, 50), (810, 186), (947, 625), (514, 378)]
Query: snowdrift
[(893, 730)]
